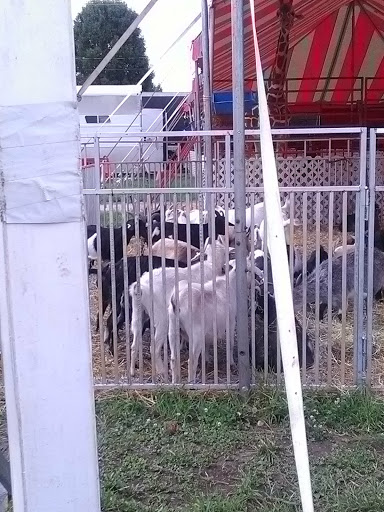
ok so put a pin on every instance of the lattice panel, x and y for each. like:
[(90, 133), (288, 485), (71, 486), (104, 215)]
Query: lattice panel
[(380, 182), (302, 172)]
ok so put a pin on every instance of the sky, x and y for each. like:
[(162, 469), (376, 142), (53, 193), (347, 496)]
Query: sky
[(162, 25)]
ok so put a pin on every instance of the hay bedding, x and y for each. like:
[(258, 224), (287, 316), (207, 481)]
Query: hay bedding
[(334, 378)]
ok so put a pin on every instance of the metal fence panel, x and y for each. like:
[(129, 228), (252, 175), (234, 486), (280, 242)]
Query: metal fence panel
[(324, 192)]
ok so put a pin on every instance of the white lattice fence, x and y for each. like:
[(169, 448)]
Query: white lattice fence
[(380, 181), (301, 172)]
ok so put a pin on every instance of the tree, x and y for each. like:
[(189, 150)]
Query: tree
[(97, 28)]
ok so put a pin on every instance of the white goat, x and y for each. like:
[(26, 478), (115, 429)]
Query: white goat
[(194, 215), (205, 304), (194, 218), (258, 214), (180, 253), (158, 309)]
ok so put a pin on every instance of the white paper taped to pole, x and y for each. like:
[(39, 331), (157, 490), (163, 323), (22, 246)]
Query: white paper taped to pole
[(283, 292), (44, 191)]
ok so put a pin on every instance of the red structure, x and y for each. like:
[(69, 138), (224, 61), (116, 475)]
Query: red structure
[(328, 67)]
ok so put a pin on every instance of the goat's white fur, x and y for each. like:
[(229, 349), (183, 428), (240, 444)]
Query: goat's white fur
[(258, 214), (180, 253), (92, 253), (216, 298), (340, 250), (161, 300)]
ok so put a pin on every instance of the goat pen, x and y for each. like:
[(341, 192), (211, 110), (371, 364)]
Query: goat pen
[(331, 193)]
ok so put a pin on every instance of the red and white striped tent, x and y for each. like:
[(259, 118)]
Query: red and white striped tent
[(336, 51)]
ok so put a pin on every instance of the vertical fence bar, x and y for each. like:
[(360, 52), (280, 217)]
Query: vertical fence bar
[(291, 233), (370, 253), (239, 190), (163, 273), (177, 291), (136, 206), (100, 298), (360, 210), (305, 242), (267, 277), (113, 289), (227, 160), (91, 180), (211, 215), (189, 273), (343, 287), (202, 277), (317, 305), (228, 298), (126, 290), (151, 312), (329, 300), (252, 302)]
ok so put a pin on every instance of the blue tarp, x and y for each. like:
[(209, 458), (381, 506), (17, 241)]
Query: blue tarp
[(222, 102)]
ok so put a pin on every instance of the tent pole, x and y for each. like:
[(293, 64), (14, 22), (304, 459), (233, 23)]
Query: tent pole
[(207, 97), (239, 191)]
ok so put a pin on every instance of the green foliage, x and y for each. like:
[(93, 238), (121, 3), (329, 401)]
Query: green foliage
[(97, 28)]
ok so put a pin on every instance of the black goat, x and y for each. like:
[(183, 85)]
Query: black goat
[(311, 263), (351, 221), (91, 230), (119, 280), (220, 223), (105, 247), (272, 334)]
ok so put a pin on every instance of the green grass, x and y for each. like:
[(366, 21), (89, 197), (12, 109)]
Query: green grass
[(224, 453)]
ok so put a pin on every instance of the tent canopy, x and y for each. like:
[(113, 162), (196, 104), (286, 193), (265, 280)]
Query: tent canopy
[(336, 50)]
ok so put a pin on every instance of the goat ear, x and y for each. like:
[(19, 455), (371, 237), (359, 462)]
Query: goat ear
[(287, 204)]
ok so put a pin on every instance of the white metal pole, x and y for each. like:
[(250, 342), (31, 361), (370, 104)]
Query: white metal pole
[(44, 312), (112, 52), (282, 288), (239, 192), (207, 95)]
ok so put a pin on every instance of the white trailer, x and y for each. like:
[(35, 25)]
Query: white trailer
[(99, 101)]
